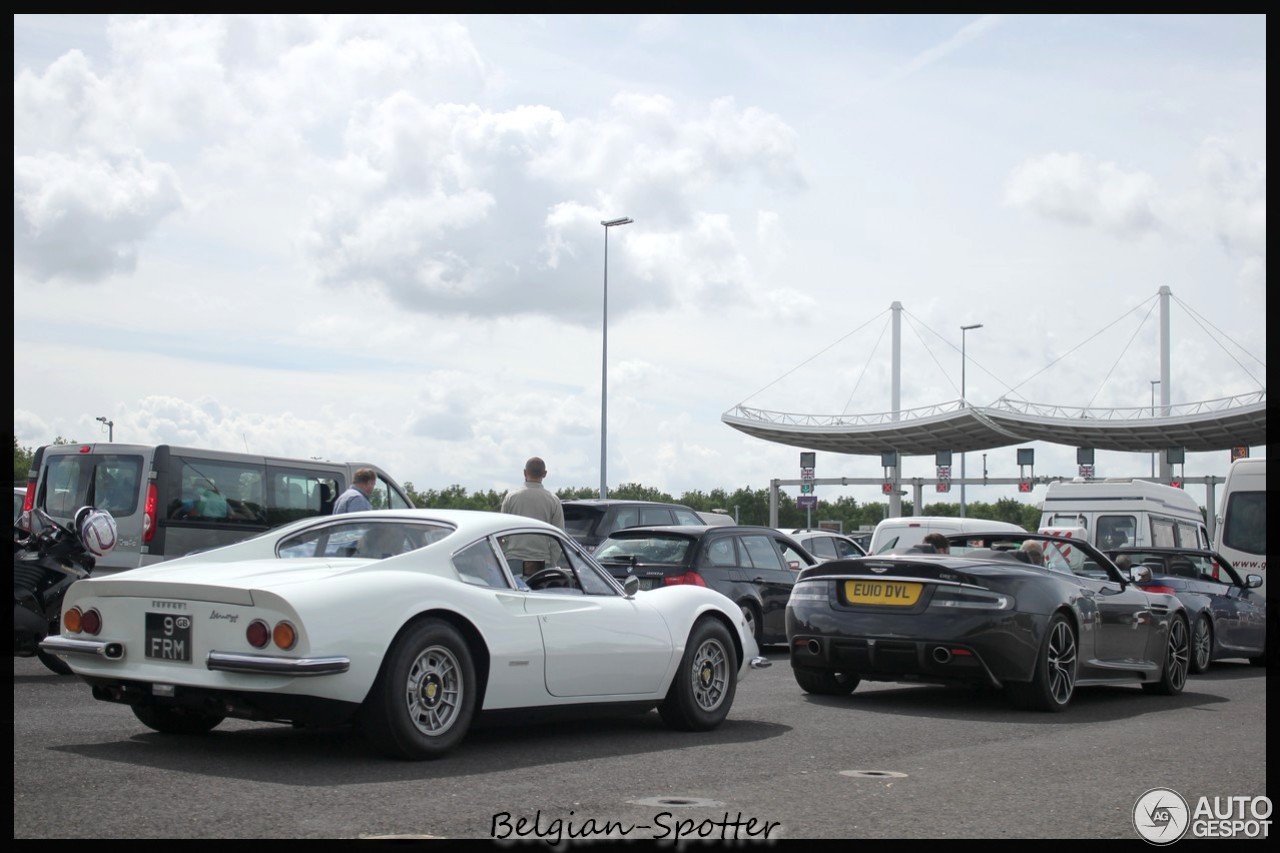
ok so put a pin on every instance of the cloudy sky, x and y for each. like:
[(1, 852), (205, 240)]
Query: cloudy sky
[(378, 238)]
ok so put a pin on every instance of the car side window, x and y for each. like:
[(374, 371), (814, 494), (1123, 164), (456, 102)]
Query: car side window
[(761, 553), (684, 516), (823, 546), (627, 516), (360, 539), (720, 552), (478, 565), (655, 515), (846, 549), (589, 578)]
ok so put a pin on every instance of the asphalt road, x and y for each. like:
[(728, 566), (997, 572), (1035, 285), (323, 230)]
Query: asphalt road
[(890, 761)]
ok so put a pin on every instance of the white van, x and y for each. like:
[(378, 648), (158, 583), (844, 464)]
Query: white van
[(896, 534), (1242, 523), (1122, 513), (170, 501)]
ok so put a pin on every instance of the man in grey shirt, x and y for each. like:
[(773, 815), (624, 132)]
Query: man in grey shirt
[(532, 501)]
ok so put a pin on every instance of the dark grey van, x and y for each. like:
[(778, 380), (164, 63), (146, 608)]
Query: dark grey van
[(170, 501)]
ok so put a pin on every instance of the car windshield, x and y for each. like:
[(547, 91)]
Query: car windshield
[(647, 549)]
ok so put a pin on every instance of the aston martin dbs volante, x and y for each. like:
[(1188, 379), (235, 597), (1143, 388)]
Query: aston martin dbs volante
[(407, 623), (1037, 616)]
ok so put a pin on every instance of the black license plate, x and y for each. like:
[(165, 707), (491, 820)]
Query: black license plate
[(168, 637)]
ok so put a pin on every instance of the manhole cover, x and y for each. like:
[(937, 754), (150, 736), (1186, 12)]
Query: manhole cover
[(677, 802), (873, 774)]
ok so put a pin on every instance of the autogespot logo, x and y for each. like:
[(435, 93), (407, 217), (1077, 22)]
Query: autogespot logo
[(1161, 816)]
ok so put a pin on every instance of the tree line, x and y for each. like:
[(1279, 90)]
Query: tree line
[(748, 506)]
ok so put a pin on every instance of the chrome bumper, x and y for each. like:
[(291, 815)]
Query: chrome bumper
[(219, 661), (761, 662)]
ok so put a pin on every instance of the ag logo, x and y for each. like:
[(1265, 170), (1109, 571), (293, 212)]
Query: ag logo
[(1161, 816)]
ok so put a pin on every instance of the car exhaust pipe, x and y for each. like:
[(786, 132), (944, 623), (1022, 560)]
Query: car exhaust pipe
[(941, 654), (814, 647)]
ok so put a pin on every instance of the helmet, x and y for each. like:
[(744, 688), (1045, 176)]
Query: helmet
[(97, 530)]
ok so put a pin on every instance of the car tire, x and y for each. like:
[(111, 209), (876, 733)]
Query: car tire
[(176, 721), (1177, 660), (1053, 684), (1201, 646), (702, 691), (826, 683), (53, 663), (424, 699), (755, 622)]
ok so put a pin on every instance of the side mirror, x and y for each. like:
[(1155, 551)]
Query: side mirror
[(631, 585), (1140, 574), (1253, 581)]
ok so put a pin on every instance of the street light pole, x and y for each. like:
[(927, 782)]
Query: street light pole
[(1154, 383), (964, 360), (604, 355), (111, 426)]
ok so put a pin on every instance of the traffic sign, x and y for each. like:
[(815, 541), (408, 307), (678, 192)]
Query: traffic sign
[(1024, 485), (806, 488), (806, 473), (944, 487), (807, 502)]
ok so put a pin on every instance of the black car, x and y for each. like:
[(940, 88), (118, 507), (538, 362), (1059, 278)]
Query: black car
[(984, 615), (754, 566), (589, 521), (1228, 617)]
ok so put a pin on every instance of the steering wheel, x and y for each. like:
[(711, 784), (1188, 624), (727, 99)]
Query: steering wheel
[(552, 577)]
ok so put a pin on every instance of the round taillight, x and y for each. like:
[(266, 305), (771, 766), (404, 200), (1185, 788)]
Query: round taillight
[(285, 636), (71, 620), (258, 634), (91, 622)]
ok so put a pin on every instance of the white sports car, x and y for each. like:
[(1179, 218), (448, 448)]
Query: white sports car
[(407, 623)]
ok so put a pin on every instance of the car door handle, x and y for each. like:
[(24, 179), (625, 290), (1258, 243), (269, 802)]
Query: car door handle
[(757, 579)]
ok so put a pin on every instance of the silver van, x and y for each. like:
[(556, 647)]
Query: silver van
[(170, 501)]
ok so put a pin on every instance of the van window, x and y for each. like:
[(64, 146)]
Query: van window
[(293, 493), (1188, 535), (107, 481), (1116, 531), (1162, 533), (1245, 523), (225, 492)]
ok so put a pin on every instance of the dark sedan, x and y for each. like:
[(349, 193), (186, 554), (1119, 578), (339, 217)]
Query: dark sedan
[(1228, 616), (987, 614), (753, 566)]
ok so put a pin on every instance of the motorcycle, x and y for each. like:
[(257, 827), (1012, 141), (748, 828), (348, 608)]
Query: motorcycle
[(47, 559)]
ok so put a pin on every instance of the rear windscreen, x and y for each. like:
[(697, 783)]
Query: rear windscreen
[(105, 480)]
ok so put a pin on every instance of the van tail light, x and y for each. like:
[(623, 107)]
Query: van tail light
[(149, 514), (691, 578), (29, 499)]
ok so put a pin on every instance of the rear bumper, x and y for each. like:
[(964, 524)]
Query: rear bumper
[(217, 661)]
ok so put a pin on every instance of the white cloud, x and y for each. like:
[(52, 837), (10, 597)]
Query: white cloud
[(1079, 190), (83, 217)]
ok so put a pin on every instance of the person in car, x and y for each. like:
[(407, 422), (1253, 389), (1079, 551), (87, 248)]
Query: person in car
[(1034, 551), (939, 543)]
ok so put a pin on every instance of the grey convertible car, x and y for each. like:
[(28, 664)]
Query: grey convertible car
[(1228, 616), (986, 614)]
